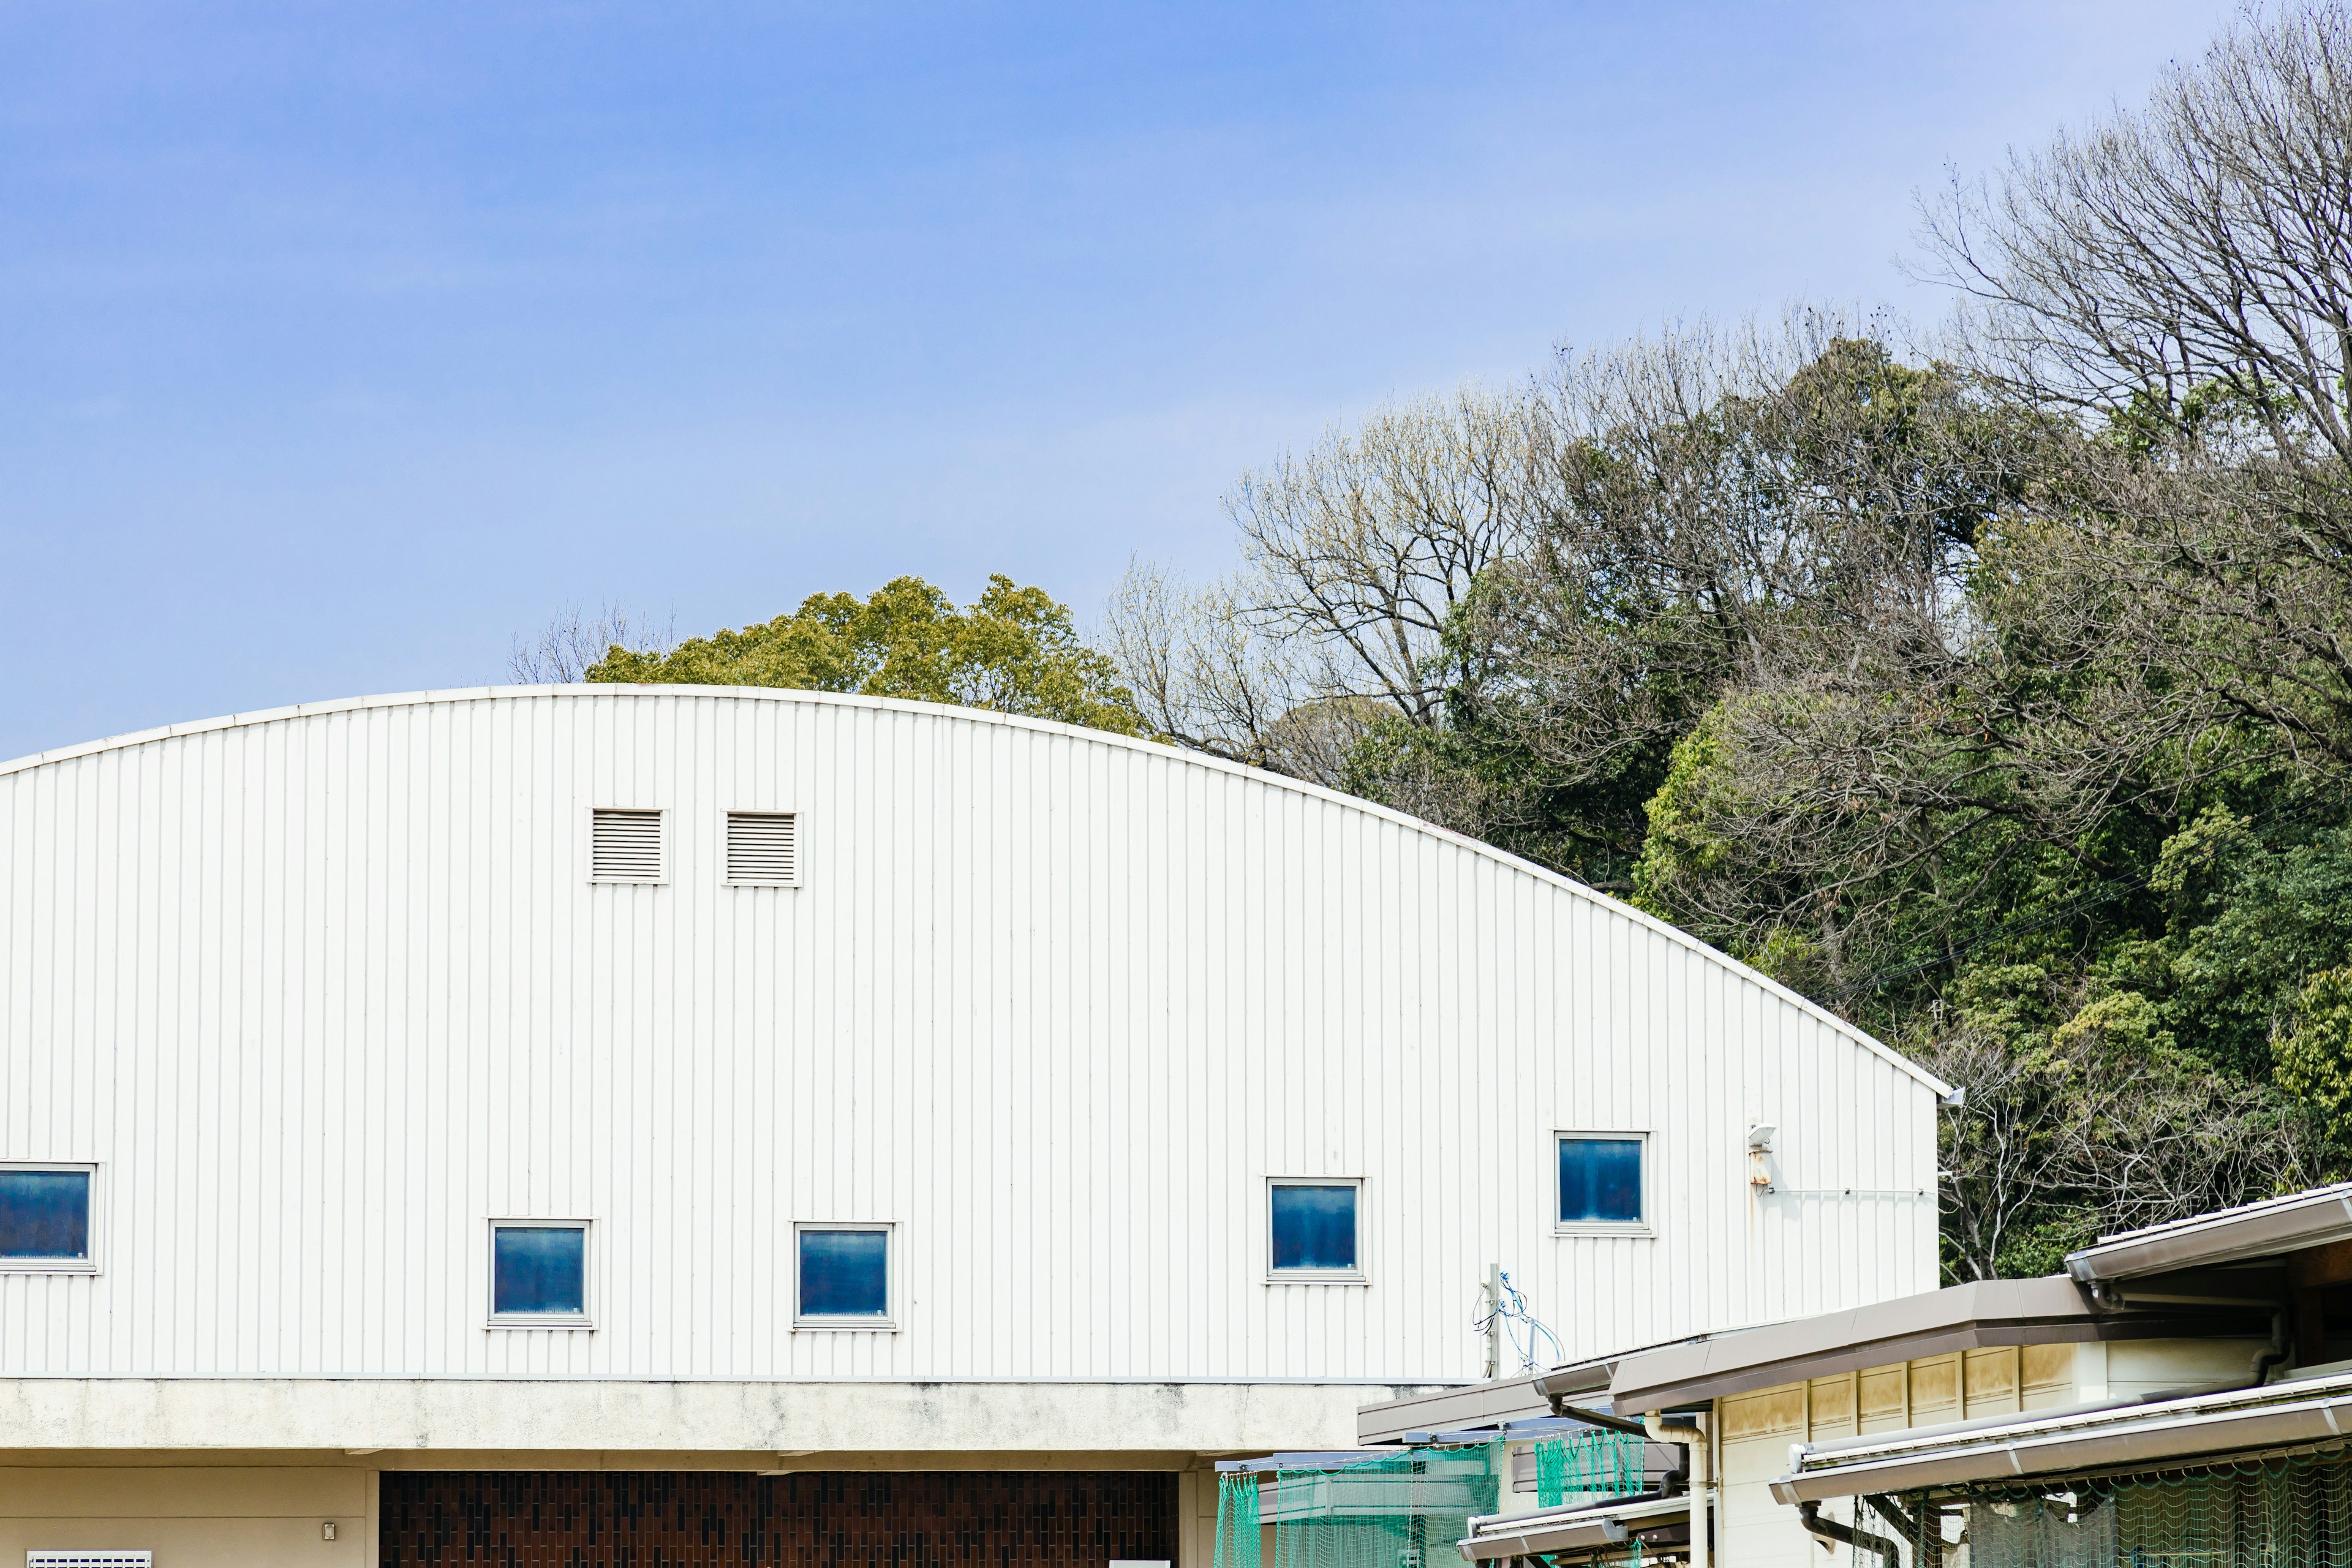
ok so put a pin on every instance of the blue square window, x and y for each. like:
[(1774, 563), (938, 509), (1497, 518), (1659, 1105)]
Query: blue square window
[(1600, 1181), (45, 1217), (1314, 1227), (845, 1273), (538, 1270)]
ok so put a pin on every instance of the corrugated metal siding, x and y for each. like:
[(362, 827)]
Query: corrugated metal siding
[(325, 992)]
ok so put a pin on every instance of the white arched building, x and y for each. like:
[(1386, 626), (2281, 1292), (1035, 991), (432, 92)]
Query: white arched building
[(410, 1092)]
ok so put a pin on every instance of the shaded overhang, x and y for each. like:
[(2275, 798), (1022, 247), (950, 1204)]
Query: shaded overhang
[(2266, 1229), (1988, 1313), (1505, 1401), (1580, 1529), (2205, 1426)]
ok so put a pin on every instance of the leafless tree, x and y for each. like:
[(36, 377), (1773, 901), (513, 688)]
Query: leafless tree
[(1356, 558), (562, 651), (2206, 240), (2098, 1136), (2185, 273)]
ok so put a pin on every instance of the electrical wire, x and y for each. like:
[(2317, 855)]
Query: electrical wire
[(1521, 1328)]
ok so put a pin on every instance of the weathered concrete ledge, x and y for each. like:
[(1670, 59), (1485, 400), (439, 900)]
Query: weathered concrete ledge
[(517, 1416)]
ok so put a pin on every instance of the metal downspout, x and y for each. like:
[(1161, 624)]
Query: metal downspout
[(1830, 1530), (1691, 1432)]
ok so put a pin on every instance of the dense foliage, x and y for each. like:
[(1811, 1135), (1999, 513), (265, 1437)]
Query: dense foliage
[(1997, 696), (1013, 651)]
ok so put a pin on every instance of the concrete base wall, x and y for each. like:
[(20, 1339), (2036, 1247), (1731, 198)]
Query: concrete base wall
[(260, 1510), (242, 1473)]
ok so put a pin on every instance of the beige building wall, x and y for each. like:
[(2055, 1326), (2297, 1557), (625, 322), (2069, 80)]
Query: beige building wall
[(192, 1516), (1753, 1431)]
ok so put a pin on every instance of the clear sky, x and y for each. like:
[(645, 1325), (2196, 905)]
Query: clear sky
[(340, 342)]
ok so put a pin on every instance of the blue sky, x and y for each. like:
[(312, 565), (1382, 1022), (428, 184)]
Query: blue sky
[(341, 344)]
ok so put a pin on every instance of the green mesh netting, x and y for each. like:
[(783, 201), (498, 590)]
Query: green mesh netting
[(1394, 1512), (1397, 1511), (1593, 1464), (2289, 1512)]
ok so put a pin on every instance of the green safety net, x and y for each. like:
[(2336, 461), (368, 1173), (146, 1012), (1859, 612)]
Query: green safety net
[(1393, 1511), (1594, 1464), (2284, 1511), (1405, 1510)]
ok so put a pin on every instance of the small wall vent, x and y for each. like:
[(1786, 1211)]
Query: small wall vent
[(90, 1560), (624, 846), (763, 848)]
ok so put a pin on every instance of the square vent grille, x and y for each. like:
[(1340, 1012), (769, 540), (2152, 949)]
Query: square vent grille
[(763, 848), (624, 846), (90, 1560)]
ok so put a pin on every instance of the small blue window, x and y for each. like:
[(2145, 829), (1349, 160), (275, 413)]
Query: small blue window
[(1600, 1181), (844, 1273), (540, 1270), (45, 1215), (1314, 1226)]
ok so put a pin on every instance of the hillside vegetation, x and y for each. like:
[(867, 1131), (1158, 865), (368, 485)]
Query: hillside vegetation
[(1997, 692)]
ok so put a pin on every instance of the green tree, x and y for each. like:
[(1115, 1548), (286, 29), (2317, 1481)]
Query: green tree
[(1015, 650)]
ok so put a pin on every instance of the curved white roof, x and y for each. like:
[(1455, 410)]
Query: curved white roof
[(984, 716)]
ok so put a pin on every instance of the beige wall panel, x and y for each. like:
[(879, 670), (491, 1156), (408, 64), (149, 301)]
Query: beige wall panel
[(1833, 1407), (1990, 1380), (1934, 1390), (182, 1492), (2049, 1372), (1769, 1410), (1196, 1519), (1754, 1530), (192, 1518), (2138, 1367), (192, 1543), (1885, 1397)]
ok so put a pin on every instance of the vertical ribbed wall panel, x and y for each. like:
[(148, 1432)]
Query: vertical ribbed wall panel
[(326, 991)]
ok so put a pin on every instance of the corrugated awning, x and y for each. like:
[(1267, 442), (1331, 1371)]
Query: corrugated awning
[(2280, 1416), (1570, 1529), (2265, 1229)]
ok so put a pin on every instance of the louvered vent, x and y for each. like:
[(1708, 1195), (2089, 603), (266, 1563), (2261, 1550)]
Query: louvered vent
[(624, 846), (763, 848), (90, 1560)]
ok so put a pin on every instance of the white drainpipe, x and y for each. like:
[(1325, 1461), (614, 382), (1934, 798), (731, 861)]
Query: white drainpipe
[(1690, 1431)]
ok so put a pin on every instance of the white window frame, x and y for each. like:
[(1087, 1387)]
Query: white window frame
[(1359, 1275), (588, 847), (1646, 1225), (97, 1227), (584, 1318), (799, 847), (841, 1323)]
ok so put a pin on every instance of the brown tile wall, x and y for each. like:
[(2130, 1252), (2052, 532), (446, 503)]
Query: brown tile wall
[(663, 1519)]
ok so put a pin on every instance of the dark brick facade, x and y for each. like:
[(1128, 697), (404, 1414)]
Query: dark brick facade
[(966, 1519)]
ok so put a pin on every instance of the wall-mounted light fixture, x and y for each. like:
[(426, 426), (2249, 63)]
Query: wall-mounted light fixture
[(1759, 1154)]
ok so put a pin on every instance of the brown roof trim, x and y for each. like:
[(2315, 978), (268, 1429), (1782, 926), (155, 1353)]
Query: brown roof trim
[(2052, 1310)]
